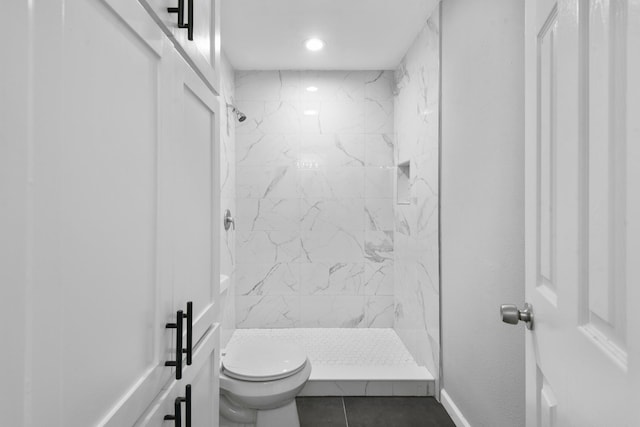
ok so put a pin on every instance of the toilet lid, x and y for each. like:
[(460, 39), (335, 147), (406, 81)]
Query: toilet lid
[(263, 359)]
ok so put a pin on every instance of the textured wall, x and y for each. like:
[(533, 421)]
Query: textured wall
[(315, 199), (416, 223), (228, 196), (482, 208)]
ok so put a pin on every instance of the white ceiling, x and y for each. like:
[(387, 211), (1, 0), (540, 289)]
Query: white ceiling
[(359, 34)]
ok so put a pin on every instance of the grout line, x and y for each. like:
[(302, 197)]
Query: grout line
[(344, 409)]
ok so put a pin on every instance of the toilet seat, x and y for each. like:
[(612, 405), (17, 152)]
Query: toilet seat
[(263, 359)]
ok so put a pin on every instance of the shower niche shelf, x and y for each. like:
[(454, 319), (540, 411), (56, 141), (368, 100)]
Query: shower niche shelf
[(403, 185)]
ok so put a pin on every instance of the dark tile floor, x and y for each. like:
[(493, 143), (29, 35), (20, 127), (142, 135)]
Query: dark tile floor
[(372, 412)]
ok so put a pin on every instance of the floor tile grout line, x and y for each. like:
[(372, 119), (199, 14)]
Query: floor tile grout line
[(344, 409)]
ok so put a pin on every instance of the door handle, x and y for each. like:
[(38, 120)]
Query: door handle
[(512, 315), (179, 351), (187, 404), (177, 409), (189, 317), (180, 11), (177, 412), (190, 23)]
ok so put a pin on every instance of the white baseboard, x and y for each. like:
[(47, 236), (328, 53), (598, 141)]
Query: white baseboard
[(453, 411)]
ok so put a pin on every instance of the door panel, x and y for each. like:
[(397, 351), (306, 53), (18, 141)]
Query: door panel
[(580, 370), (603, 312), (548, 403), (110, 201), (100, 278), (196, 200), (547, 123)]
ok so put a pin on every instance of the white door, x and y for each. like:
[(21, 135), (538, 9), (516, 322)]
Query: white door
[(101, 121), (195, 198), (97, 278), (583, 212)]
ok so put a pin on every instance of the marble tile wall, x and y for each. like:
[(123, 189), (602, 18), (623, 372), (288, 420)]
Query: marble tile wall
[(315, 219), (228, 197), (416, 110)]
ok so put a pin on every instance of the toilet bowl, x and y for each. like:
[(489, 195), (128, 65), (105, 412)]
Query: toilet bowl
[(259, 380)]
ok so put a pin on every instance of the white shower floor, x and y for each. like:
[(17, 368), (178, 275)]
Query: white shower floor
[(353, 362)]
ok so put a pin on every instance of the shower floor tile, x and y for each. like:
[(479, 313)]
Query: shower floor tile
[(353, 362)]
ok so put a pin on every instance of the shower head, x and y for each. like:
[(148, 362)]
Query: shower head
[(239, 114)]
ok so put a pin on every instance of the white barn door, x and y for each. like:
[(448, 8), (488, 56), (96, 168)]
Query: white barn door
[(582, 62)]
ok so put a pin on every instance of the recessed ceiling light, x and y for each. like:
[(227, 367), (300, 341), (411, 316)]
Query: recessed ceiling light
[(314, 44), (310, 112), (312, 89)]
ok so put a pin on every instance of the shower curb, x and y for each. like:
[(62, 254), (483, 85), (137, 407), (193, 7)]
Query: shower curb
[(346, 380)]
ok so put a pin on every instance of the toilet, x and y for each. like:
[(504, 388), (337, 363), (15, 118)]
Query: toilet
[(259, 380)]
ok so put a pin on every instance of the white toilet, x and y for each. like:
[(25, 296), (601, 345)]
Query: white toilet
[(259, 380)]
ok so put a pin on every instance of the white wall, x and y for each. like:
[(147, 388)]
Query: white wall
[(416, 114), (14, 155), (482, 208)]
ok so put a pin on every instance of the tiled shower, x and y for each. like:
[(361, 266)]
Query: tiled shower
[(333, 183), (314, 192)]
